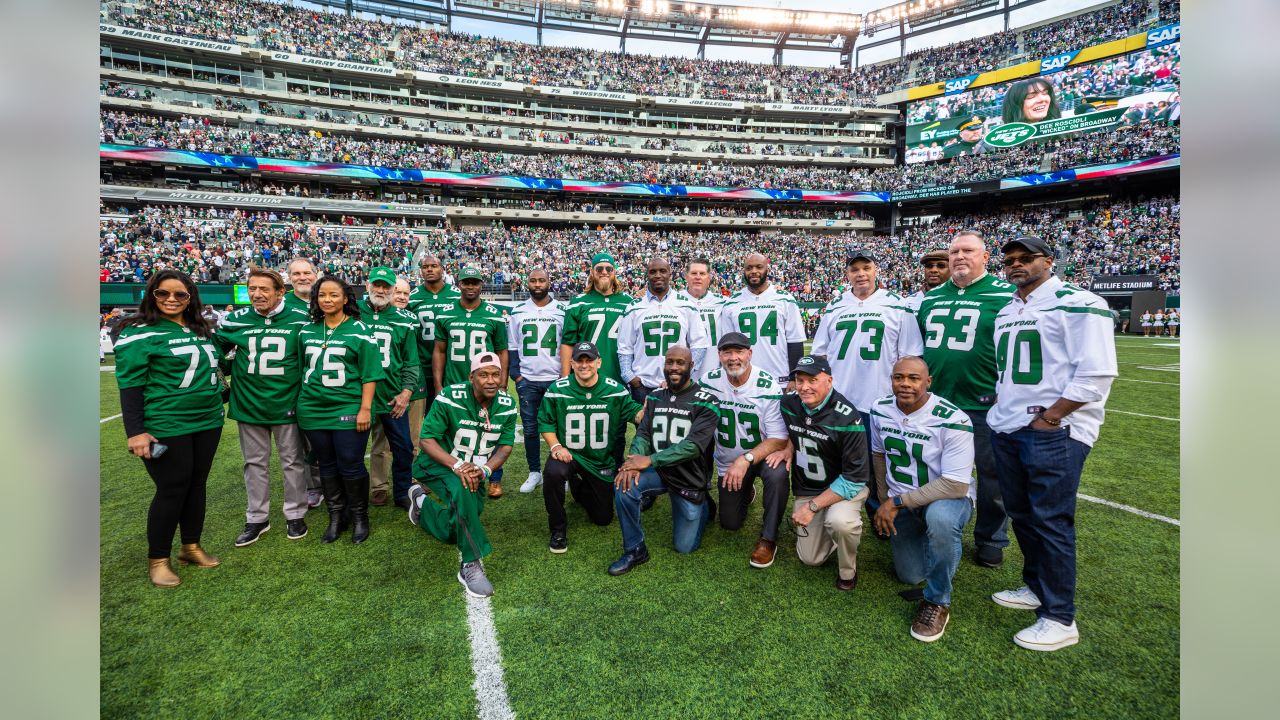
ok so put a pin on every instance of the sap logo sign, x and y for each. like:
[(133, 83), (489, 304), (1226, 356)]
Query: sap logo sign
[(1160, 36), (1055, 63), (958, 85)]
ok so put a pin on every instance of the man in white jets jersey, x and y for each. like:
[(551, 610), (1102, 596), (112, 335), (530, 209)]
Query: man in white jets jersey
[(922, 458), (863, 334), (653, 324), (769, 317), (534, 329), (751, 427), (708, 301), (1055, 359)]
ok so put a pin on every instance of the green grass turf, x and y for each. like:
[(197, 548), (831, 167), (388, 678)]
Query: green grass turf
[(299, 629)]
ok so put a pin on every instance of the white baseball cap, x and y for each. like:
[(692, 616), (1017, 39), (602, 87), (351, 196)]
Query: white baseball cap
[(485, 359)]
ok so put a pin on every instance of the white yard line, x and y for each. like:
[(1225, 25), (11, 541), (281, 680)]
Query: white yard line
[(1149, 382), (486, 663), (1157, 417), (109, 419), (1130, 509)]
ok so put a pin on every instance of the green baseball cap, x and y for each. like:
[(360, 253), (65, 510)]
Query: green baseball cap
[(469, 272), (603, 257), (383, 274)]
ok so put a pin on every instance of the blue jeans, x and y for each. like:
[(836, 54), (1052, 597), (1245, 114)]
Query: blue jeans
[(531, 393), (1039, 476), (992, 526), (927, 545), (397, 431), (339, 453), (687, 519)]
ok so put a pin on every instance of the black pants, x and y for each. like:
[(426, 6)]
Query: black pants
[(340, 453), (180, 476), (595, 496), (733, 504)]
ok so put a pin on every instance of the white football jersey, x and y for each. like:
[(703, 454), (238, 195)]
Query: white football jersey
[(708, 307), (862, 339), (651, 326), (770, 320), (1059, 342), (933, 442), (749, 414), (535, 333)]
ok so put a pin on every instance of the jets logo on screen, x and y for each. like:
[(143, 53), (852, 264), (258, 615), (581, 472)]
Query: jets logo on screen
[(959, 85), (1167, 34), (1010, 134)]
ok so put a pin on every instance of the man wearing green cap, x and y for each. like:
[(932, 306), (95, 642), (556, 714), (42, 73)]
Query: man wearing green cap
[(972, 131), (394, 332), (594, 317), (470, 327)]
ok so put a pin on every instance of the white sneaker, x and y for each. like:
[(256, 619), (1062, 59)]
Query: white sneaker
[(1020, 599), (533, 481), (1047, 635)]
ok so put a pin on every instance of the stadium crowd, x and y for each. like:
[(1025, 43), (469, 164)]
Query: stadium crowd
[(324, 34)]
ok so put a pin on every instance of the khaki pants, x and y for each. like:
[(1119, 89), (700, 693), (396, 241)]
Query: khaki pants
[(379, 459), (255, 446), (838, 529), (417, 411)]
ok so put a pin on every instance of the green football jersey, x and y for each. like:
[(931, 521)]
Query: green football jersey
[(178, 374), (425, 305), (335, 365), (464, 429), (592, 317), (296, 303), (467, 333), (395, 332), (586, 420), (266, 371), (959, 329)]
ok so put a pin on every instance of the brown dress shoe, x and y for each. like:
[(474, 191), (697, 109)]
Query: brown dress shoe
[(495, 491), (162, 574), (846, 585), (378, 497), (762, 556), (193, 554), (931, 620)]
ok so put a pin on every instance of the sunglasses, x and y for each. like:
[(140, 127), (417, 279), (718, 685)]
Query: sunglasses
[(1021, 259), (604, 269), (180, 296)]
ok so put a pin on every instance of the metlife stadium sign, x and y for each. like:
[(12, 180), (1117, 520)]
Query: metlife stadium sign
[(1123, 284)]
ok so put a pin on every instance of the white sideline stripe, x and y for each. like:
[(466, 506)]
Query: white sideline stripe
[(1157, 417), (486, 663), (1130, 509), (109, 419), (1150, 382), (107, 368)]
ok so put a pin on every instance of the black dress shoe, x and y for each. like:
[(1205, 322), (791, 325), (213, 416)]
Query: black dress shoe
[(295, 529), (988, 556), (846, 585), (252, 531), (629, 560)]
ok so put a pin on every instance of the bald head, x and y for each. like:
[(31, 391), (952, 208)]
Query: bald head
[(659, 275), (678, 368), (755, 272), (432, 272), (910, 381)]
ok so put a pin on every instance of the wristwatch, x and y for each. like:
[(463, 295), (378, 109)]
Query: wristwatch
[(897, 501), (813, 507), (751, 457)]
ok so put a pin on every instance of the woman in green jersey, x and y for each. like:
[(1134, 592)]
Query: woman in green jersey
[(342, 364), (171, 400)]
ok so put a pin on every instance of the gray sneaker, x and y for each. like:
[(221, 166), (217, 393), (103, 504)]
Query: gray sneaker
[(314, 497), (471, 575), (416, 493)]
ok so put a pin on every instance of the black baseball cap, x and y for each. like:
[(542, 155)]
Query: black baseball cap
[(856, 253), (733, 339), (812, 365), (586, 348), (1028, 243)]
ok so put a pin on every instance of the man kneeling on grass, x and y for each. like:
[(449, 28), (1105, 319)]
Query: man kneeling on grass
[(466, 437), (922, 456)]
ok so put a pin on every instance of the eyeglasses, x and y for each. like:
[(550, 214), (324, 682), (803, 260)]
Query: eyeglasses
[(1021, 259), (799, 530), (604, 269), (180, 296)]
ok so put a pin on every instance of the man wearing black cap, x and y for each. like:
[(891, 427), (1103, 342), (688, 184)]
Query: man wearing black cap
[(827, 455), (936, 271), (579, 417), (751, 428), (972, 131), (1056, 357)]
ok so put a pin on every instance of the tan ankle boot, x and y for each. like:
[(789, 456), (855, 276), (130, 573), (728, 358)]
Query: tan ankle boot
[(193, 554), (162, 574)]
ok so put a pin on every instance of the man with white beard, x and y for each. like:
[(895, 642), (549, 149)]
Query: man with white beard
[(394, 332)]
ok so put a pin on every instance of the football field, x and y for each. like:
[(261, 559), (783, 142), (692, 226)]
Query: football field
[(383, 630)]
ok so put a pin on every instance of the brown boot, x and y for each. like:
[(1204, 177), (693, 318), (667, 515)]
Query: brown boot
[(162, 574), (931, 620), (762, 555), (193, 554), (495, 491), (378, 497)]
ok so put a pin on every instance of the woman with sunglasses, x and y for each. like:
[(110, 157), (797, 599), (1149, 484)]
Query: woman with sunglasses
[(171, 400), (342, 364)]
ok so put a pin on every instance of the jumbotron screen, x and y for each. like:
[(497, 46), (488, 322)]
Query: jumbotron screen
[(1104, 96)]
